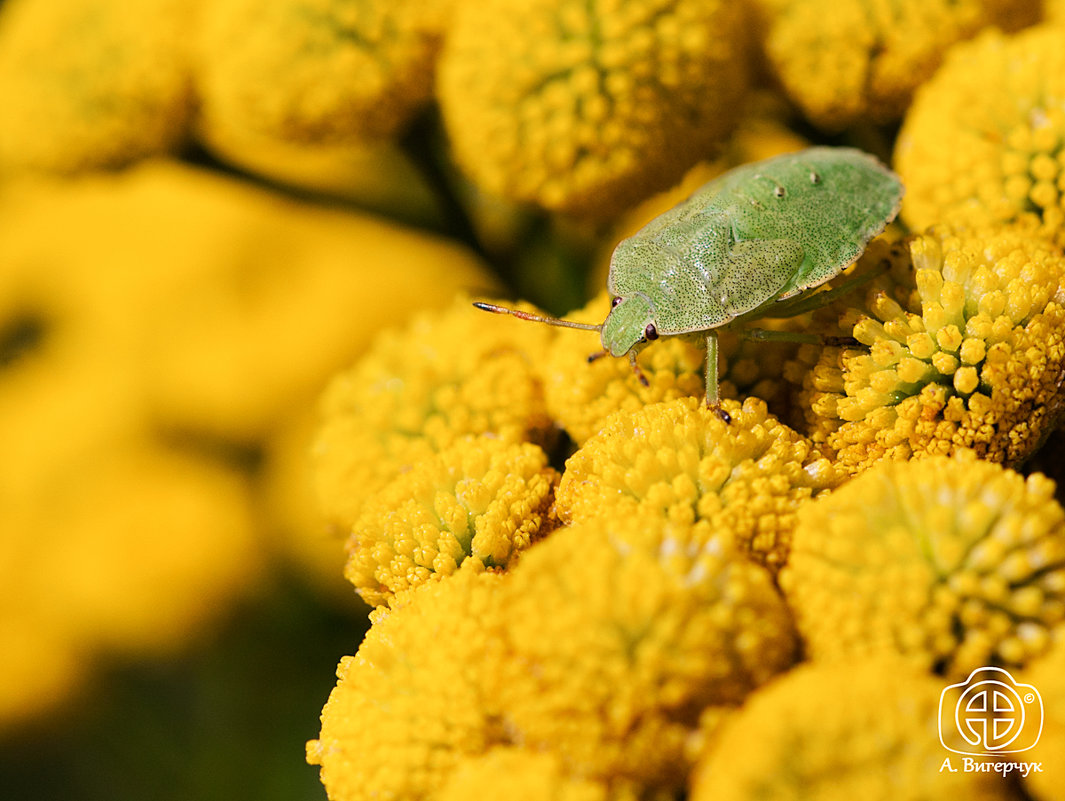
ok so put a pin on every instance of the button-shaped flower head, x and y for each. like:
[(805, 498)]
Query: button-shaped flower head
[(418, 390), (852, 61), (982, 141), (317, 71), (414, 698), (92, 83), (587, 107), (857, 729), (620, 632), (969, 355), (679, 461), (481, 499), (954, 563)]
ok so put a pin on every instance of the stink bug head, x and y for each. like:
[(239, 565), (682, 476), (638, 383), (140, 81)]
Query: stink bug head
[(629, 325)]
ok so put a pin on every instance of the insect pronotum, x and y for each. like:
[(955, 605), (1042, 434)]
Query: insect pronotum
[(746, 245)]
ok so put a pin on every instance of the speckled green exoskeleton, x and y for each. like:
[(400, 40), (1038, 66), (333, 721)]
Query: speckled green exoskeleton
[(746, 245)]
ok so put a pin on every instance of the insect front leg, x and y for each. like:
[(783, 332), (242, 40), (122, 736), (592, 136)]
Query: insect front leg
[(636, 369)]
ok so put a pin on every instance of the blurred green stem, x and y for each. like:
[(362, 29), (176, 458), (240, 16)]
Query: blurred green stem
[(418, 143)]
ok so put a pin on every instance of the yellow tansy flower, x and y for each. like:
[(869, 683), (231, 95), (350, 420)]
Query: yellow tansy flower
[(520, 774), (377, 175), (44, 662), (92, 83), (581, 396), (860, 60), (301, 292), (982, 142), (620, 632), (145, 547), (681, 462), (317, 70), (41, 665), (953, 562), (293, 523), (420, 389), (858, 729), (415, 698), (586, 108), (1047, 675), (971, 357), (234, 305), (481, 499)]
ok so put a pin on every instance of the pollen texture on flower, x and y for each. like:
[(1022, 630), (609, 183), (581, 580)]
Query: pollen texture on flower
[(857, 729), (418, 390), (971, 356), (1047, 675), (520, 774), (317, 71), (859, 60), (954, 563), (587, 107), (982, 142), (413, 700), (680, 461), (620, 632), (480, 499)]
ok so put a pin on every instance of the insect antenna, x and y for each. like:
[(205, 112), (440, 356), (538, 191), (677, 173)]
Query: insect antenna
[(536, 318)]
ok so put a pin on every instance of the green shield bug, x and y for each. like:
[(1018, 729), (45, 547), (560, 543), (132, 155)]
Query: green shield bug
[(746, 245)]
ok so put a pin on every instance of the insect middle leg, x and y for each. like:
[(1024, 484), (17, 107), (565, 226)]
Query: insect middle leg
[(712, 400)]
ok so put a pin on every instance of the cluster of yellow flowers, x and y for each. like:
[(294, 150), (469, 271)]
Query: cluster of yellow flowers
[(764, 606), (586, 108), (157, 329), (585, 584), (624, 655)]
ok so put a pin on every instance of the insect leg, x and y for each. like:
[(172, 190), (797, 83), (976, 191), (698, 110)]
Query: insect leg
[(712, 399), (599, 354), (636, 369), (766, 335), (800, 304)]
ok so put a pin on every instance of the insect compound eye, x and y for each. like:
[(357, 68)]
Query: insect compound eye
[(614, 303), (650, 333)]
